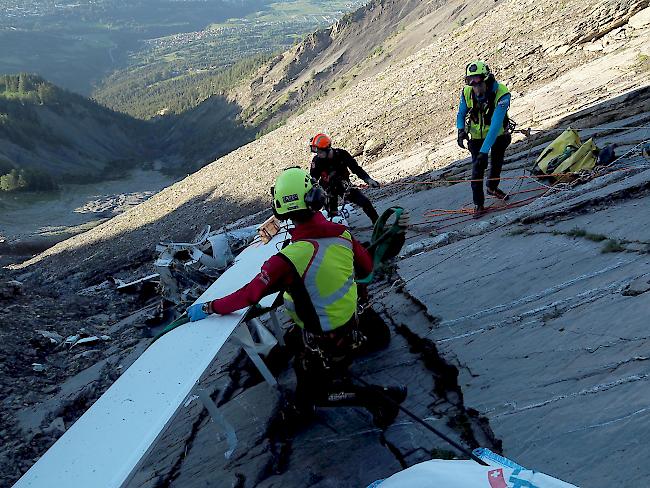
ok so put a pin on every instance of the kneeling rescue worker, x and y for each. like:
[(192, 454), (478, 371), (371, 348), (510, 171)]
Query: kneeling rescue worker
[(331, 167), (317, 273), (483, 112)]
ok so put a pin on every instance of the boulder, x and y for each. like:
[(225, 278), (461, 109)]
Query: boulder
[(640, 19), (373, 147), (10, 289), (638, 286)]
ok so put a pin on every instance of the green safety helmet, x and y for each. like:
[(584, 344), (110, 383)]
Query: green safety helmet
[(296, 190), (477, 68)]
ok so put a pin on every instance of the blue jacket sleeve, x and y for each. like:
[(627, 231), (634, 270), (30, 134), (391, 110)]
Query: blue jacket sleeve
[(496, 123), (462, 112)]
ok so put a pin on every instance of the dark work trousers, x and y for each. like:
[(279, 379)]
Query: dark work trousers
[(497, 154), (321, 365), (321, 374), (354, 196)]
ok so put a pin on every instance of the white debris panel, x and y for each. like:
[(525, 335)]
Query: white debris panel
[(464, 474)]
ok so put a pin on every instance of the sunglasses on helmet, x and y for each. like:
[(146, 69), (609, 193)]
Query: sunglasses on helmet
[(474, 80)]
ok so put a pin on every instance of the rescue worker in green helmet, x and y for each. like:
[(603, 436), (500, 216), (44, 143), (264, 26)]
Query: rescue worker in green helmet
[(483, 122), (317, 273)]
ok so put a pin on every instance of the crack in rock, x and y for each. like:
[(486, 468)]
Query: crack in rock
[(573, 302), (473, 429), (534, 297), (394, 450), (587, 391), (596, 426)]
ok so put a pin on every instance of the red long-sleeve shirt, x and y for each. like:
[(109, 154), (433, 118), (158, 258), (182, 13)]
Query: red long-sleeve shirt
[(276, 274)]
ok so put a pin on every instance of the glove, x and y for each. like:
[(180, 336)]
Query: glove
[(198, 311), (482, 159), (372, 183), (462, 137)]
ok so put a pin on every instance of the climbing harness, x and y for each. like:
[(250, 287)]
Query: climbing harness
[(323, 347)]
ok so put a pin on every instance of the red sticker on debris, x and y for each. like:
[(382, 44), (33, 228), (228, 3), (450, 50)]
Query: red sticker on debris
[(496, 479)]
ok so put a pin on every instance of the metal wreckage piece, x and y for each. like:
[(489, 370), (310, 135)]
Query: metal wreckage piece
[(186, 269)]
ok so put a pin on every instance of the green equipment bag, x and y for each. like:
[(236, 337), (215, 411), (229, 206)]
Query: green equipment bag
[(386, 241)]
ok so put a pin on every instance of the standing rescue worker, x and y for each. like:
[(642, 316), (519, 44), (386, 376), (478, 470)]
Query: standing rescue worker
[(483, 121), (317, 272), (331, 167)]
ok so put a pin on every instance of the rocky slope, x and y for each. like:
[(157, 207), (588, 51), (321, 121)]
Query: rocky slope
[(552, 67), (452, 315), (540, 308), (523, 332), (358, 46)]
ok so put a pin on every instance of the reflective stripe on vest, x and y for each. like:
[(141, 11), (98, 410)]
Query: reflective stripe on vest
[(326, 266), (479, 129)]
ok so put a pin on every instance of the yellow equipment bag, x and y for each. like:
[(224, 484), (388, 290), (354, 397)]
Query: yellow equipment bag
[(567, 154), (584, 158), (558, 151)]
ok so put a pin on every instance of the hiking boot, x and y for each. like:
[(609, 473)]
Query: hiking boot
[(396, 393), (497, 193), (479, 210), (290, 419), (386, 408)]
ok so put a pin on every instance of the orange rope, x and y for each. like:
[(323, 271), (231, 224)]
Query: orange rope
[(519, 203), (463, 212), (505, 178)]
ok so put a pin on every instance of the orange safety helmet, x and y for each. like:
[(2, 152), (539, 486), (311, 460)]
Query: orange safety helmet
[(320, 141)]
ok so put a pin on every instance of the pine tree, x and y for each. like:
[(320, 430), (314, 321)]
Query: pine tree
[(22, 84), (9, 182)]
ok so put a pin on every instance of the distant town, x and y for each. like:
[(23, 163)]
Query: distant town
[(243, 28), (13, 10), (18, 9)]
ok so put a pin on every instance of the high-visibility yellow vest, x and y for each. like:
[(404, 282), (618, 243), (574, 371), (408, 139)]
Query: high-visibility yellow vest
[(326, 266), (479, 118)]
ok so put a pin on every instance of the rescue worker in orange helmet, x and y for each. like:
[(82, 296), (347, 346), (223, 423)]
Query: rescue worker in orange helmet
[(331, 167)]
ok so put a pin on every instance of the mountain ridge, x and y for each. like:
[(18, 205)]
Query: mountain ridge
[(395, 107)]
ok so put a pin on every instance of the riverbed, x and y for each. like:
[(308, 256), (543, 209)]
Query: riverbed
[(32, 222)]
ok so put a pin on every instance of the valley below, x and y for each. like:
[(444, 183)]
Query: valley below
[(32, 222)]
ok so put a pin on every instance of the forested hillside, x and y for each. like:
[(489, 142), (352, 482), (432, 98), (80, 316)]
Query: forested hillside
[(146, 92), (176, 72), (48, 134)]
